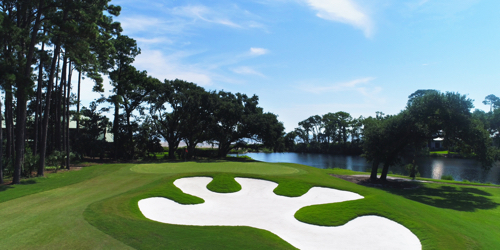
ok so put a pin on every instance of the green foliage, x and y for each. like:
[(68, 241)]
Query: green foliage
[(56, 159), (30, 162), (447, 177), (428, 114)]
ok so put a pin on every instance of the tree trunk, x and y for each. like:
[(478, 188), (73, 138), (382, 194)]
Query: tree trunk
[(70, 74), (22, 98), (63, 113), (78, 105), (385, 170), (38, 103), (413, 165), (172, 147), (130, 134), (54, 105), (59, 102), (43, 142), (115, 128), (9, 121), (373, 175), (20, 131), (1, 145)]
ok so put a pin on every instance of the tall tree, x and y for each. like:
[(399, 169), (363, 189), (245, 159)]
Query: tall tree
[(197, 117), (232, 116), (136, 87), (493, 101), (84, 29), (125, 52)]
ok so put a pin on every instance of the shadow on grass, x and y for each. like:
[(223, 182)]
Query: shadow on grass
[(28, 182), (5, 187), (456, 198)]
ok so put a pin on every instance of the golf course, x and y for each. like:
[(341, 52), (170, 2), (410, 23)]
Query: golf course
[(97, 207)]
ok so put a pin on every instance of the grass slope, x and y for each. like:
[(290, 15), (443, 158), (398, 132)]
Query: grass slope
[(100, 211)]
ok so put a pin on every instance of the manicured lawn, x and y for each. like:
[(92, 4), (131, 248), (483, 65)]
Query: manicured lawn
[(96, 208)]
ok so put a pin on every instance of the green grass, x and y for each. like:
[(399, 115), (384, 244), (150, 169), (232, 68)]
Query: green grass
[(96, 208), (224, 183), (216, 166), (51, 181), (445, 152)]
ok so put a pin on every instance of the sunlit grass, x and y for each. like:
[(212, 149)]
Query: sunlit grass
[(96, 208)]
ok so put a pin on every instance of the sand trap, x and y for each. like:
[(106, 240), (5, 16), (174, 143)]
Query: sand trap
[(257, 206)]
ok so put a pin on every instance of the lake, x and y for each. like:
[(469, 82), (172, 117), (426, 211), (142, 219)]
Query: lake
[(429, 167)]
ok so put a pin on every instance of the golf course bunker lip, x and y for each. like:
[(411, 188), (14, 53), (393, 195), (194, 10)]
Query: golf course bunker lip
[(256, 205), (261, 168)]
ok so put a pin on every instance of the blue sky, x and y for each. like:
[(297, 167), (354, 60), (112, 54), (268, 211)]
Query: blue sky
[(308, 57)]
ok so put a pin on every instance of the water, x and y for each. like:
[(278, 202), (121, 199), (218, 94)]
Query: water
[(429, 167)]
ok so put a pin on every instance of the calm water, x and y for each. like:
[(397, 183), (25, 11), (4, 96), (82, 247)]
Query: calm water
[(430, 167)]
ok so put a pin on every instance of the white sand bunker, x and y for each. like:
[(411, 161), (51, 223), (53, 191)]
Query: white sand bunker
[(256, 205)]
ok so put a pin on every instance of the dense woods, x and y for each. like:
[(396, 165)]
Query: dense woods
[(45, 43)]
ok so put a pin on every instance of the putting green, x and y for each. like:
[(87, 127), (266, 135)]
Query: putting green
[(260, 168)]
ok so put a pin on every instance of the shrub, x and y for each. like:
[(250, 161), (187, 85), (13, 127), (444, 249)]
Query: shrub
[(447, 177)]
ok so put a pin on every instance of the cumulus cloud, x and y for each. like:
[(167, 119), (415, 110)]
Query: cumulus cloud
[(344, 11), (171, 67)]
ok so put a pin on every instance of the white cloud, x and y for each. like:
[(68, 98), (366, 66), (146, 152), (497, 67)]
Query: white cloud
[(258, 51), (154, 40), (344, 11), (139, 23), (245, 70), (170, 67), (351, 85), (200, 12)]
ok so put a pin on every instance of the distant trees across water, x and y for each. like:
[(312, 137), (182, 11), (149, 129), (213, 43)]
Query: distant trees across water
[(387, 140)]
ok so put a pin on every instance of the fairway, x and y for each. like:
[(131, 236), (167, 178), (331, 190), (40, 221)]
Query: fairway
[(100, 210), (260, 168)]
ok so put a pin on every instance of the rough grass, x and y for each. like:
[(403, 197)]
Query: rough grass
[(100, 211)]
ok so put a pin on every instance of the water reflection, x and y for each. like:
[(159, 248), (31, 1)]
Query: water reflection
[(435, 168)]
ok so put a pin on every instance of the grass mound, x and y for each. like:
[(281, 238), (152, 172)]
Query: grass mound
[(224, 183)]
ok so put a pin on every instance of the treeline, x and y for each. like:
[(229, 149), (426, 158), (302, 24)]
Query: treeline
[(387, 140), (42, 42), (333, 133), (429, 114), (45, 43)]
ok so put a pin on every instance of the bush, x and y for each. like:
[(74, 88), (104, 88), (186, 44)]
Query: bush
[(447, 177)]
